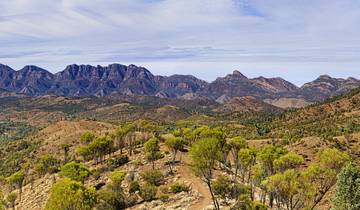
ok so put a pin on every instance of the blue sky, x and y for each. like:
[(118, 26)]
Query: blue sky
[(295, 39)]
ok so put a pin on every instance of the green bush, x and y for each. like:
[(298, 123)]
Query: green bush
[(179, 187), (164, 198), (75, 171), (114, 163), (148, 192), (153, 177), (134, 187), (68, 194)]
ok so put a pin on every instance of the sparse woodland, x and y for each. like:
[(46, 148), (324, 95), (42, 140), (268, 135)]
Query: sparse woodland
[(299, 159)]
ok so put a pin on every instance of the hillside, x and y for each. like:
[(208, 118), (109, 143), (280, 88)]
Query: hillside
[(39, 128)]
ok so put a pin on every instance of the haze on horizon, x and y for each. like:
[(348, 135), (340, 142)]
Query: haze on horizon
[(294, 39)]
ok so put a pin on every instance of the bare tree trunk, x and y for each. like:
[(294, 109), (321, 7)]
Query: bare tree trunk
[(216, 204)]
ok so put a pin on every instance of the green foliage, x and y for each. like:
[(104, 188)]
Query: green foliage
[(321, 176), (287, 188), (75, 171), (152, 149), (148, 192), (117, 177), (153, 177), (17, 179), (179, 187), (203, 155), (246, 158), (110, 200), (288, 161), (84, 152), (175, 144), (14, 154), (262, 128), (96, 149), (112, 196), (10, 130), (268, 155), (223, 187), (47, 164), (11, 199), (134, 187), (114, 163), (348, 189), (69, 194), (237, 143), (87, 137), (164, 197)]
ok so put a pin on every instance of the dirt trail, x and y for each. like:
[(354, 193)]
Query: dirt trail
[(196, 184)]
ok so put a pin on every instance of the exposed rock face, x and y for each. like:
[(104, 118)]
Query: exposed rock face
[(87, 80), (326, 86), (275, 85)]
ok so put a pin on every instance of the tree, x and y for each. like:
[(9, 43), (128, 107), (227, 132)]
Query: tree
[(222, 187), (348, 188), (288, 161), (71, 195), (112, 196), (87, 137), (246, 159), (152, 149), (203, 156), (100, 147), (84, 152), (287, 189), (65, 148), (17, 179), (120, 135), (47, 164), (11, 198), (266, 157), (236, 144), (322, 175), (75, 171), (174, 144)]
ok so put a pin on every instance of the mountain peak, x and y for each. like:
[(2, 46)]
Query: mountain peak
[(32, 68), (238, 74), (325, 76)]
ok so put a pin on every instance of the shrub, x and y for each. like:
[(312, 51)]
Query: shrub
[(148, 192), (134, 187), (179, 187), (153, 177), (47, 164), (109, 199), (114, 163), (75, 171), (68, 194), (164, 198)]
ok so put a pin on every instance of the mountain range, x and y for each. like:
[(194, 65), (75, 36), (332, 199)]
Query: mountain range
[(87, 80)]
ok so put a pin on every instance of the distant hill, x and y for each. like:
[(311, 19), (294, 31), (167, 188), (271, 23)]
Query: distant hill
[(100, 81)]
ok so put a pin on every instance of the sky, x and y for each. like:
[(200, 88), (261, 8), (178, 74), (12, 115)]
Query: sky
[(294, 39)]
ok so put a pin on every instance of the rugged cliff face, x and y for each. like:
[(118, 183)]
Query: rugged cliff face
[(87, 80)]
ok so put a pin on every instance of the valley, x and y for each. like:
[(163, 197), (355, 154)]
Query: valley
[(147, 151)]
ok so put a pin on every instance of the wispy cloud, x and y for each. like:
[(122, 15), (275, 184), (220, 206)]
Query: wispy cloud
[(292, 33)]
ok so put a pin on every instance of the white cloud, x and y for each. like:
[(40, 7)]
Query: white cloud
[(307, 33)]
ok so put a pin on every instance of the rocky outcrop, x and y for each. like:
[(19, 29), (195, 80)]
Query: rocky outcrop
[(87, 80)]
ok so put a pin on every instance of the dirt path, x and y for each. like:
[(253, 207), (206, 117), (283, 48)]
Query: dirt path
[(196, 184)]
